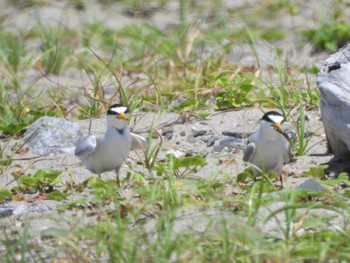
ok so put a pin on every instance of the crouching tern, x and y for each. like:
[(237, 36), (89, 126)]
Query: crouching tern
[(108, 151), (268, 149)]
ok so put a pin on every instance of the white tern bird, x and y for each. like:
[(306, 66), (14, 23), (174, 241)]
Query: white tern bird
[(267, 148), (108, 151)]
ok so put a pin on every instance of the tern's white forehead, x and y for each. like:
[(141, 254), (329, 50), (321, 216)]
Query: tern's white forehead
[(118, 110), (276, 118)]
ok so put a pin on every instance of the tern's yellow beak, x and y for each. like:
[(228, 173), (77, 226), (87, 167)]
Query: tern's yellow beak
[(278, 127), (122, 116)]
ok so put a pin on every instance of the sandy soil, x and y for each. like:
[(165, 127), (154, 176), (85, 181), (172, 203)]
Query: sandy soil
[(226, 162)]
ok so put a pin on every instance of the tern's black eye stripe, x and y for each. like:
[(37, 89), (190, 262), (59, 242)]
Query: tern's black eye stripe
[(109, 112), (113, 112)]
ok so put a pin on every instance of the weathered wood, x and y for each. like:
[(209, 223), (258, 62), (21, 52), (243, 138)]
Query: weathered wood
[(333, 82)]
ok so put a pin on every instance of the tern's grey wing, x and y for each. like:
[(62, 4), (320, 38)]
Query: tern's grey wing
[(86, 145), (249, 152), (138, 142), (287, 155)]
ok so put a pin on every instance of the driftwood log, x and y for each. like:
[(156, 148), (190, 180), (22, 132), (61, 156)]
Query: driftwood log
[(333, 81)]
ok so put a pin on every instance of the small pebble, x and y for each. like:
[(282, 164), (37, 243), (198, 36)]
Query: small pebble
[(2, 136), (205, 139), (6, 210), (218, 148), (241, 135), (231, 142), (290, 133), (191, 138), (180, 120), (211, 141), (306, 118), (176, 153), (167, 133), (196, 132), (200, 133)]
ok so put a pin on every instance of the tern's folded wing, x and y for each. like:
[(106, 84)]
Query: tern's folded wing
[(138, 142), (85, 146), (249, 152), (287, 153)]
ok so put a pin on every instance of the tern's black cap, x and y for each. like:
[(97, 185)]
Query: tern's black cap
[(273, 116), (117, 108)]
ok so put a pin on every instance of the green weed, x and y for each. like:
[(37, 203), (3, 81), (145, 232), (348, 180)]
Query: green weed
[(179, 167), (12, 51), (43, 181), (236, 91), (302, 142), (328, 36)]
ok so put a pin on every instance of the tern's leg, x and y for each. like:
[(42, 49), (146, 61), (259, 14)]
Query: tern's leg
[(117, 175), (281, 180), (282, 176)]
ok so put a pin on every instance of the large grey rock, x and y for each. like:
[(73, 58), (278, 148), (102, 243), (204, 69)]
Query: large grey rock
[(22, 209), (333, 82), (310, 185), (50, 135), (27, 208)]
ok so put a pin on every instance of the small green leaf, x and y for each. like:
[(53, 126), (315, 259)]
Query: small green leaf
[(80, 203), (27, 180), (264, 186), (4, 193), (247, 87), (56, 195), (346, 194), (343, 177), (53, 176), (47, 174), (5, 162), (160, 169), (96, 182), (189, 161), (317, 172), (242, 177), (203, 114), (313, 69), (217, 185)]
